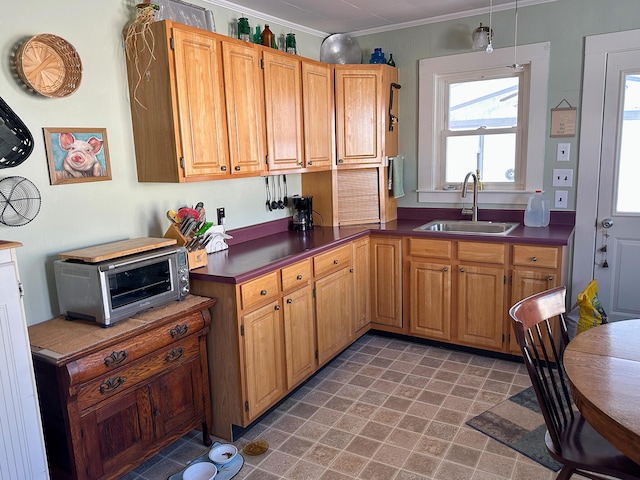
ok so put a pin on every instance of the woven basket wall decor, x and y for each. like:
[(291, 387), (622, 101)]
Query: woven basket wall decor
[(49, 65)]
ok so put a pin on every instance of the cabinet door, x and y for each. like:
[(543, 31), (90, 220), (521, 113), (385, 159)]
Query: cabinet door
[(245, 107), (362, 284), (524, 284), (317, 108), (429, 300), (334, 313), (201, 107), (116, 433), (386, 277), (264, 358), (283, 110), (481, 306), (299, 337), (177, 396), (359, 119)]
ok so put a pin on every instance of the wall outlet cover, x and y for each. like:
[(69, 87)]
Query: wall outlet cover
[(563, 177), (561, 199), (563, 152)]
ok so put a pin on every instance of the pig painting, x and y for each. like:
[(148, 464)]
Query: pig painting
[(80, 160)]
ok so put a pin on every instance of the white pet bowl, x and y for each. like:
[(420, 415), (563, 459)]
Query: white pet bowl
[(222, 454), (200, 471)]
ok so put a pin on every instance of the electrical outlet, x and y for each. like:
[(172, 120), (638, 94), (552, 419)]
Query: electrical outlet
[(561, 199), (562, 177), (563, 152)]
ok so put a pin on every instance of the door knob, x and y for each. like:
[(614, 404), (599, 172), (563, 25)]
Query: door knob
[(607, 222)]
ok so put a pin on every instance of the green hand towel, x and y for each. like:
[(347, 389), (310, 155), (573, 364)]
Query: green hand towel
[(396, 167)]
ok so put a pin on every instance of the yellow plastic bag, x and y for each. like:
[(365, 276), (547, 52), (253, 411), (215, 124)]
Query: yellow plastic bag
[(592, 313)]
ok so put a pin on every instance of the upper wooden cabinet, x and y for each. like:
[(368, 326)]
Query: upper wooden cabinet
[(317, 109), (362, 98), (187, 103)]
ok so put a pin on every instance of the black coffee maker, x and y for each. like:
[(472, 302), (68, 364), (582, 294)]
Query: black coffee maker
[(302, 213)]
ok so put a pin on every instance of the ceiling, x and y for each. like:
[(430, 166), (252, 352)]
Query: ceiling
[(359, 17)]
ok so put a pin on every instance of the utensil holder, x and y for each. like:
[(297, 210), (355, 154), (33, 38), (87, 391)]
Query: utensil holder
[(196, 258)]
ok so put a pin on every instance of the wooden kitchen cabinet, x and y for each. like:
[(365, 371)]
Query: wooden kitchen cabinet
[(197, 109), (386, 283), (535, 269), (334, 292), (362, 95), (362, 286), (318, 113), (299, 336), (112, 398), (428, 296)]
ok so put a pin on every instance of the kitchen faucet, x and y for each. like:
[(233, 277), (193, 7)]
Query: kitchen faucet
[(474, 210)]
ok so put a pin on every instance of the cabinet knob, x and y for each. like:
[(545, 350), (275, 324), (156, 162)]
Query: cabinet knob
[(534, 259), (309, 162), (237, 168), (335, 262), (462, 270), (341, 160), (289, 300), (299, 277), (351, 270), (263, 292), (550, 277), (277, 307), (156, 412), (223, 168), (445, 269), (299, 164)]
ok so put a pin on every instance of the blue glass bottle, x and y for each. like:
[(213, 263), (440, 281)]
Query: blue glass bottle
[(377, 56)]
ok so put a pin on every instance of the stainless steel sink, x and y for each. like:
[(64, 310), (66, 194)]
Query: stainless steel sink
[(468, 226)]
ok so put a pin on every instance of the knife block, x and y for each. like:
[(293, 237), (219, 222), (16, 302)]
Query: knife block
[(197, 258)]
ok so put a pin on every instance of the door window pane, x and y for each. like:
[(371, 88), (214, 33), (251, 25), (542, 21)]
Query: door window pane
[(628, 200)]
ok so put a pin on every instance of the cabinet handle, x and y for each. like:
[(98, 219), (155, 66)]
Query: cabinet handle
[(550, 277), (351, 270), (341, 160), (116, 358), (263, 292), (174, 355), (237, 168), (335, 262), (445, 269), (299, 277), (299, 164), (289, 300), (534, 259), (223, 168), (156, 412), (277, 307), (179, 330), (111, 384), (309, 162), (462, 270)]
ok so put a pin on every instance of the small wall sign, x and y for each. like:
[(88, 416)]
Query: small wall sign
[(563, 120)]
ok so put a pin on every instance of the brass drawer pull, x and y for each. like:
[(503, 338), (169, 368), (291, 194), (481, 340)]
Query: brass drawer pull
[(111, 385), (174, 355), (179, 330), (263, 292), (116, 358)]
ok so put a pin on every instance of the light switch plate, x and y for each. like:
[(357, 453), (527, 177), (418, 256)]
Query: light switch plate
[(563, 177), (563, 152), (561, 199)]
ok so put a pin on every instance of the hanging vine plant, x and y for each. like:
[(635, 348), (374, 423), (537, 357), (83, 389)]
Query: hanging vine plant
[(139, 41)]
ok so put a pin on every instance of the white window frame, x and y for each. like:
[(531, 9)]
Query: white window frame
[(429, 162)]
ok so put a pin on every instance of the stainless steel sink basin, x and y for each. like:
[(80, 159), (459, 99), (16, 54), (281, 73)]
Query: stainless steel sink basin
[(468, 226)]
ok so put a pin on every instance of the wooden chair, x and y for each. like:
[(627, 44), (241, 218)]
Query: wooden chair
[(570, 439)]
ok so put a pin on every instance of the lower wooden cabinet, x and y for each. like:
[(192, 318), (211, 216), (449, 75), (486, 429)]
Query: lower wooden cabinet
[(386, 283), (112, 398), (428, 299), (362, 286), (299, 336)]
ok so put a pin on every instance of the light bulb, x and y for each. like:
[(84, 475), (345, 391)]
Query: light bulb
[(490, 48)]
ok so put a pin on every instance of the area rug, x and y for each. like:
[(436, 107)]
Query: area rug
[(518, 423)]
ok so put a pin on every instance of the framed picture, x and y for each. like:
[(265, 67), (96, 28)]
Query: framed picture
[(563, 120), (77, 155)]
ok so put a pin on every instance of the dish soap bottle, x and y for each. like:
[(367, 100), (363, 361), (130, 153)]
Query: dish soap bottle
[(537, 213)]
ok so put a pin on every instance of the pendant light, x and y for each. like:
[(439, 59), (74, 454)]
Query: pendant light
[(483, 35)]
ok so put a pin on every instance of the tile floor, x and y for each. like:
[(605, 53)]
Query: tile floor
[(384, 409)]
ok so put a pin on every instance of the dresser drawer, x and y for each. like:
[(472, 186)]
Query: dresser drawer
[(259, 290), (536, 256), (422, 247), (332, 260), (296, 275), (111, 358), (137, 372), (482, 252)]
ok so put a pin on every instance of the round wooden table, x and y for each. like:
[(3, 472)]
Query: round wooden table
[(603, 367)]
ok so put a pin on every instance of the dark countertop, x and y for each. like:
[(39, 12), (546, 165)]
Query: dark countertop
[(252, 258)]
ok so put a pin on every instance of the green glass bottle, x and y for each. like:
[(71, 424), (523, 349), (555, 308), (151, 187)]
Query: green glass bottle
[(391, 62), (257, 37)]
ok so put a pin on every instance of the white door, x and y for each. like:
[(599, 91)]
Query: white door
[(617, 246)]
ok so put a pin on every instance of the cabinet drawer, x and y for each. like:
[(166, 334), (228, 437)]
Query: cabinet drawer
[(482, 252), (137, 372), (332, 260), (536, 256), (420, 247), (296, 275), (259, 290), (107, 360)]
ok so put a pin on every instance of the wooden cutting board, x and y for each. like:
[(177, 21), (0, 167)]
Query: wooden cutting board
[(107, 251)]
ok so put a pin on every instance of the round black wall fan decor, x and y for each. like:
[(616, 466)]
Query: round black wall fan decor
[(19, 201)]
